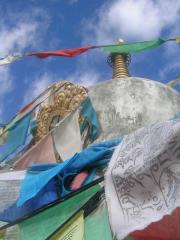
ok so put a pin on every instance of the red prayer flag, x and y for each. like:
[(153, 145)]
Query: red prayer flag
[(166, 229), (65, 53)]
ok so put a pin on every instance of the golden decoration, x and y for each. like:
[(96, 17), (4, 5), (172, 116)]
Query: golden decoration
[(66, 98)]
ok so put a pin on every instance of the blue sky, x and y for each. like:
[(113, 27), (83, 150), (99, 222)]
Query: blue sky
[(57, 24)]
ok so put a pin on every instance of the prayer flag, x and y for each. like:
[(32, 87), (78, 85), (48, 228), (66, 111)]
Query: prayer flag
[(16, 137), (10, 59), (65, 53), (67, 137), (154, 151), (134, 47), (95, 155), (27, 109), (96, 225), (167, 228), (9, 189), (46, 222), (73, 230), (42, 152)]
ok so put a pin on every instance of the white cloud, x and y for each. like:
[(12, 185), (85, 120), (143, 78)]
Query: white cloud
[(37, 86), (16, 36), (137, 20), (131, 20), (171, 66), (171, 55), (86, 77), (14, 40), (6, 86)]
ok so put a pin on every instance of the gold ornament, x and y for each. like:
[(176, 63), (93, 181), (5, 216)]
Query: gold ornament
[(67, 98)]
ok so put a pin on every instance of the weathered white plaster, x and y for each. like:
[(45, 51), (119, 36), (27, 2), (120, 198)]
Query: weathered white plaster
[(124, 105)]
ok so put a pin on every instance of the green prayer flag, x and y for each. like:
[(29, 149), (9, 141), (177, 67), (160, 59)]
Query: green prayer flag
[(43, 224), (96, 225), (134, 47)]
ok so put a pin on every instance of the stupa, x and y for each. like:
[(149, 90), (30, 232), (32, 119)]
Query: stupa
[(126, 103), (57, 149)]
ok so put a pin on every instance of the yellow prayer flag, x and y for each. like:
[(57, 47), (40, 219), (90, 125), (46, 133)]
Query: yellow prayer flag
[(2, 234), (73, 230), (178, 40)]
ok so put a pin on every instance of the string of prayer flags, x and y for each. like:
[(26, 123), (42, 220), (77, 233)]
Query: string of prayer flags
[(73, 52)]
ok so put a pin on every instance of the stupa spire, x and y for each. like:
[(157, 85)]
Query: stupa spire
[(119, 63)]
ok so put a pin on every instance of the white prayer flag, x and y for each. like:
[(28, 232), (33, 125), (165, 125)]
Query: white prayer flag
[(9, 59), (143, 178)]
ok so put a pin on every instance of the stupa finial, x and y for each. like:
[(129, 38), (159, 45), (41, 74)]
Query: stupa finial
[(119, 63)]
